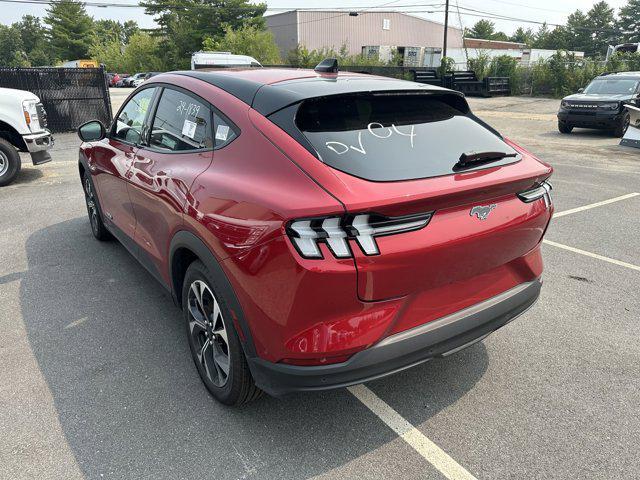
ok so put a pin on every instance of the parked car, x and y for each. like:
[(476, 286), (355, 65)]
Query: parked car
[(23, 128), (130, 81), (318, 229), (221, 60), (140, 80), (113, 78), (601, 104), (124, 78)]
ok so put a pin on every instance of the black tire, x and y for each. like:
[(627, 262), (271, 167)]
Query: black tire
[(622, 126), (211, 351), (10, 163), (564, 127), (93, 209)]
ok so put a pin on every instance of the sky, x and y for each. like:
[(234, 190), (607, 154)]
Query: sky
[(551, 11)]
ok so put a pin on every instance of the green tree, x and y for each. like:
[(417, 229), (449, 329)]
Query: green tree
[(143, 54), (70, 29), (523, 36), (183, 30), (33, 36), (106, 30), (483, 29), (247, 40), (109, 52), (603, 29), (12, 52), (629, 21), (578, 32), (555, 39), (129, 28)]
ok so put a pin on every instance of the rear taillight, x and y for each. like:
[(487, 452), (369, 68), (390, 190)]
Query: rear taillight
[(540, 191), (335, 232)]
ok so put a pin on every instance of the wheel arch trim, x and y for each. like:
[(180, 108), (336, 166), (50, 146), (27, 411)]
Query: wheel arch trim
[(187, 240)]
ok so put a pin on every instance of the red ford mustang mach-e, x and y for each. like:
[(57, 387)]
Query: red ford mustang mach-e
[(318, 229)]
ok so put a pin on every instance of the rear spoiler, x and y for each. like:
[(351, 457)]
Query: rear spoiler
[(272, 98)]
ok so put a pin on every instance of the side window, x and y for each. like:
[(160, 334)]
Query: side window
[(181, 123), (128, 125), (226, 131)]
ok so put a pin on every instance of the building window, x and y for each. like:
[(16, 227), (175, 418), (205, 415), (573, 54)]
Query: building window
[(386, 24)]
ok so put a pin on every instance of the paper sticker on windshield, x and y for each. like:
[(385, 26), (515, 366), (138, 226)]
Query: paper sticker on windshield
[(222, 132), (189, 128)]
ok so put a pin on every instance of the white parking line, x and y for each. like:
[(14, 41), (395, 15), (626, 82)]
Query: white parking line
[(592, 255), (584, 252), (594, 205), (410, 434)]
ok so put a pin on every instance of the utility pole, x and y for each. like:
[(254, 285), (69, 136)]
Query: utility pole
[(446, 27)]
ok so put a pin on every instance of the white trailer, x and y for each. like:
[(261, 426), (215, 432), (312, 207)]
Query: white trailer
[(221, 60), (623, 48)]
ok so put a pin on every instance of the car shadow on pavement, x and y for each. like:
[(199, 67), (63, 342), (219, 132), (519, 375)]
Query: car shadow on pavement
[(28, 175), (112, 348)]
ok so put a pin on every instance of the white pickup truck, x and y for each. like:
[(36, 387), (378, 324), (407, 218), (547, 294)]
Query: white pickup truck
[(23, 128)]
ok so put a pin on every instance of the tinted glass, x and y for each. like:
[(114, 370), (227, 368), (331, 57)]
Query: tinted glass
[(91, 131), (394, 137), (181, 123), (612, 86), (226, 131), (128, 126)]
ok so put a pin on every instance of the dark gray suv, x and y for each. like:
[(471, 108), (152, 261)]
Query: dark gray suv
[(601, 104)]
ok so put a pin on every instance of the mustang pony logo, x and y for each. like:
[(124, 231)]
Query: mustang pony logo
[(482, 211)]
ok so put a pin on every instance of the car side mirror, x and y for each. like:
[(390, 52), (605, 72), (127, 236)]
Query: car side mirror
[(92, 131), (580, 90)]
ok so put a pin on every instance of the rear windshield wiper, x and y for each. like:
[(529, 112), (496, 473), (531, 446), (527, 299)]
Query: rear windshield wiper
[(470, 159)]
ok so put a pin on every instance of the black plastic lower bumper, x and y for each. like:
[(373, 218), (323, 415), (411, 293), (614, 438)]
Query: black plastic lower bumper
[(594, 120), (403, 350)]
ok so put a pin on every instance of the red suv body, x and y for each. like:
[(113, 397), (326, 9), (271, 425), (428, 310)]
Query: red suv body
[(331, 228)]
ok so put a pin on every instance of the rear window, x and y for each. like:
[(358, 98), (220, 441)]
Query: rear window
[(391, 137)]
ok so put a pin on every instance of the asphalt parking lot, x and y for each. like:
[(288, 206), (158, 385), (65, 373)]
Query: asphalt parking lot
[(97, 380)]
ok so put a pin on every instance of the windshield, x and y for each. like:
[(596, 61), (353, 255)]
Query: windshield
[(612, 86), (392, 137)]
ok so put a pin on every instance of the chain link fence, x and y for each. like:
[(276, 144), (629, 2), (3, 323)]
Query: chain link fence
[(71, 96)]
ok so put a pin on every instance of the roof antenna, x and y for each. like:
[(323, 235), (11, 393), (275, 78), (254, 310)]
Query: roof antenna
[(328, 65)]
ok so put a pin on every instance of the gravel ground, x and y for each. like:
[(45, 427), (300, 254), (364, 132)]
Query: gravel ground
[(96, 379)]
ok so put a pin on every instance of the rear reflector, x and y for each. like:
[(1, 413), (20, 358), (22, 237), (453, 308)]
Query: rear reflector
[(306, 234), (308, 362)]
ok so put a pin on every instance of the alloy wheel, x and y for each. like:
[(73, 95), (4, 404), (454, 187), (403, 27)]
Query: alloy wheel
[(91, 205), (4, 163), (208, 333)]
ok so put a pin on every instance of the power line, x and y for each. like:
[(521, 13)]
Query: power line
[(471, 12)]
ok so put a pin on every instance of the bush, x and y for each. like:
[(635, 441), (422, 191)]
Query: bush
[(301, 57), (563, 74), (480, 64), (248, 40), (503, 66)]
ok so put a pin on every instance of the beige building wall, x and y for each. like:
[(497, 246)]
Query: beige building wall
[(318, 29), (284, 27)]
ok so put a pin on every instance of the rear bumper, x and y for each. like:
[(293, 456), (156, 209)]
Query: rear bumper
[(437, 338), (594, 120)]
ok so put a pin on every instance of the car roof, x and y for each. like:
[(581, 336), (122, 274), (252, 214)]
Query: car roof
[(631, 75), (268, 90)]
